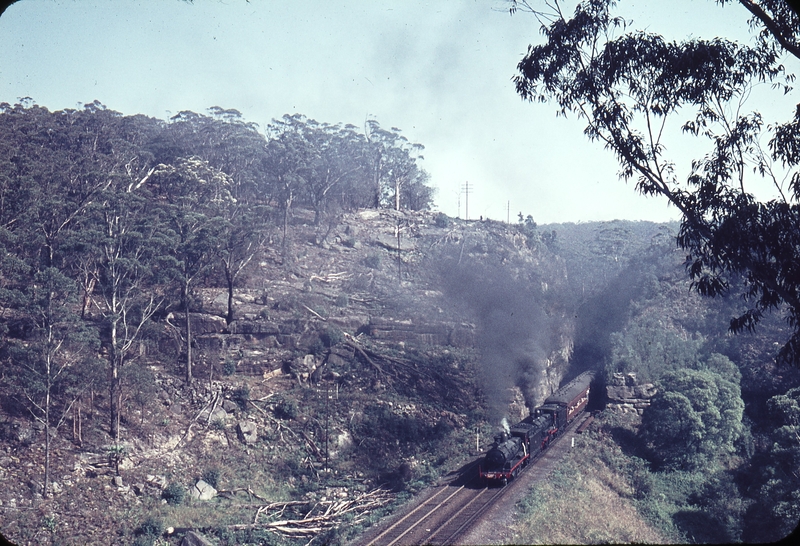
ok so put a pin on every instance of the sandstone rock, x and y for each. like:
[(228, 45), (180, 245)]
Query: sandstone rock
[(203, 490), (230, 406), (254, 327), (390, 242), (369, 214), (334, 360), (202, 323), (219, 414), (247, 431), (157, 481), (645, 390), (193, 539), (117, 480)]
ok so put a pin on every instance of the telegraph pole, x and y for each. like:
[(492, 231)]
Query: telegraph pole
[(466, 191)]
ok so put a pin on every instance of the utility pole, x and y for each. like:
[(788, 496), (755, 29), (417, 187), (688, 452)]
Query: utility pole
[(466, 200)]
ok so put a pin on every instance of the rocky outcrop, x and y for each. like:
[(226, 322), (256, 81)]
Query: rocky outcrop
[(202, 490), (426, 333), (247, 432), (625, 394)]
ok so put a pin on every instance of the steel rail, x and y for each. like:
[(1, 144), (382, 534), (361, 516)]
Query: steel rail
[(411, 513)]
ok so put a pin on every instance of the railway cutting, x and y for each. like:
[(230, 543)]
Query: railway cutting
[(448, 513)]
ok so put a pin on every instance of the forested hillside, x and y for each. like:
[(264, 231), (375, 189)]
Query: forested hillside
[(266, 335), (711, 457)]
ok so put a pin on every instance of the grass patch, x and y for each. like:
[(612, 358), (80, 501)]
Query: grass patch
[(607, 495)]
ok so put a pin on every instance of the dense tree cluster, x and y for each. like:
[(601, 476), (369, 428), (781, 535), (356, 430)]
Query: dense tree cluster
[(107, 220)]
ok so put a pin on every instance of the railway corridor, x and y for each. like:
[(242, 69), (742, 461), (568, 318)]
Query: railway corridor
[(466, 513)]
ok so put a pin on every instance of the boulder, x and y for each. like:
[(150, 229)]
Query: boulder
[(194, 539), (202, 323), (254, 327), (219, 414), (203, 490), (230, 406), (159, 482), (369, 214), (390, 242), (247, 432)]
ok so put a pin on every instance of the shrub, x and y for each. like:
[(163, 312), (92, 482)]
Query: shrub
[(211, 477), (286, 409), (317, 347), (150, 528), (241, 395), (342, 300), (442, 220), (229, 368), (173, 493), (331, 336), (373, 261)]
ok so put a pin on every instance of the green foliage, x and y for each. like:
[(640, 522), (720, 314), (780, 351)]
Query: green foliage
[(211, 476), (650, 350), (527, 226), (331, 336), (287, 409), (317, 347), (694, 421), (241, 395), (778, 506), (441, 220), (229, 367), (640, 505), (342, 300), (373, 261), (148, 531), (174, 493), (628, 84)]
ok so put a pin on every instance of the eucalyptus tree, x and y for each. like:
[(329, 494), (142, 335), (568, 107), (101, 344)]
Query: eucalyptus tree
[(629, 86), (56, 163), (126, 246), (289, 155), (336, 158), (238, 149), (778, 510), (695, 420), (392, 166), (56, 362), (192, 196)]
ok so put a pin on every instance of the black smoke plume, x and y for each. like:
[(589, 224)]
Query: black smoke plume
[(513, 328)]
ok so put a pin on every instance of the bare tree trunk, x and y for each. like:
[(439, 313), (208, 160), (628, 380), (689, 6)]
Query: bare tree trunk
[(188, 334), (46, 492), (229, 278), (115, 385), (77, 430)]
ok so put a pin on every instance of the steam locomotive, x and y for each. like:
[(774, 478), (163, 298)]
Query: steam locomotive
[(514, 448)]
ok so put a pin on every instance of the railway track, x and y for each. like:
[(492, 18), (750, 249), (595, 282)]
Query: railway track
[(451, 510)]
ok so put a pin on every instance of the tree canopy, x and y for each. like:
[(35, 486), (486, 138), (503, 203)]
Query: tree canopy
[(694, 420), (626, 84), (130, 215)]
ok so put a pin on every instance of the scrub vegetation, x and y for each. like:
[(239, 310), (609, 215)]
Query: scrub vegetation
[(195, 304)]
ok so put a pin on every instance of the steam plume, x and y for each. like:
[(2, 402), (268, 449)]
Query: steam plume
[(513, 329)]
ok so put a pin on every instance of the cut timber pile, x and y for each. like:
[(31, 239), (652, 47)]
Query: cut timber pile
[(322, 515)]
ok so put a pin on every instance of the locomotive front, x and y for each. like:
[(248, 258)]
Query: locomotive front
[(503, 461)]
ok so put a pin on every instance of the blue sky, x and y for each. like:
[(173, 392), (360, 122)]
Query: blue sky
[(440, 71)]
